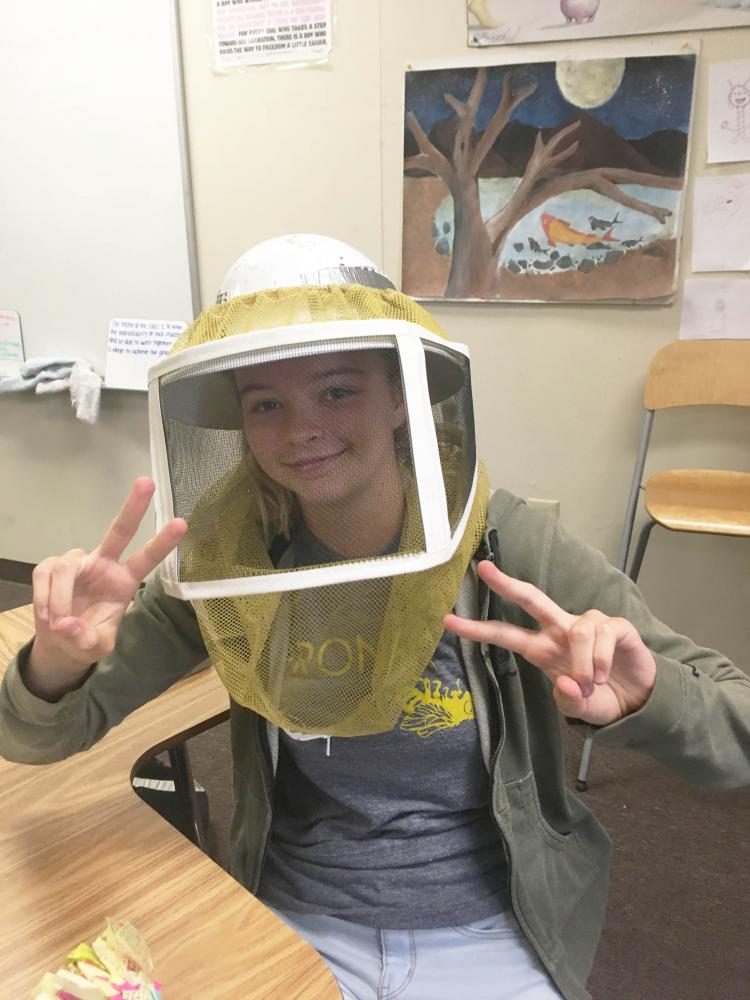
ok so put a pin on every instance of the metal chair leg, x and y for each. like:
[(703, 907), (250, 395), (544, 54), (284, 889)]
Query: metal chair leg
[(640, 550), (185, 788), (583, 770)]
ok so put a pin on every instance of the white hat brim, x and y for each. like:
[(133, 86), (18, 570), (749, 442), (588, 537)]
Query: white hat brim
[(212, 400)]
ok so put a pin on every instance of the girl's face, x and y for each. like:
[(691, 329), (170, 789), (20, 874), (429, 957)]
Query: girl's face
[(322, 426)]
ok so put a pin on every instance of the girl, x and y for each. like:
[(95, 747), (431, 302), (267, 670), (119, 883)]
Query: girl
[(399, 790)]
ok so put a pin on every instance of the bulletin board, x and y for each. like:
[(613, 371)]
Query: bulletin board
[(95, 183)]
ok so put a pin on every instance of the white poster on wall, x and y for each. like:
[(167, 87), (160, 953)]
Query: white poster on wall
[(721, 223), (715, 309), (252, 32), (504, 22), (133, 346), (729, 111)]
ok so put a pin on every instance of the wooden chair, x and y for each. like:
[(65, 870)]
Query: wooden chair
[(706, 501)]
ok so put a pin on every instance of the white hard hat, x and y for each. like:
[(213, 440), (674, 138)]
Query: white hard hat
[(294, 261), (300, 259)]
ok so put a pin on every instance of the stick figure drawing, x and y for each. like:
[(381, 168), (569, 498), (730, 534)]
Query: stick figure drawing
[(739, 98)]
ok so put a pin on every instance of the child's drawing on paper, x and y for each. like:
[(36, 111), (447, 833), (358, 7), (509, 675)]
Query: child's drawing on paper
[(719, 325), (729, 111), (501, 22), (738, 99), (546, 181), (480, 12), (715, 308), (579, 11), (721, 235)]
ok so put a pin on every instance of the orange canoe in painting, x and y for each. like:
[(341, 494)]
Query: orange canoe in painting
[(560, 231)]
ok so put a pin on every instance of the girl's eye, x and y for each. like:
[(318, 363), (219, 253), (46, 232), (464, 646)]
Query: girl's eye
[(336, 393), (264, 406)]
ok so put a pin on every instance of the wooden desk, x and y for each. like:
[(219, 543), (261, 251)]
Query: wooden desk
[(77, 846)]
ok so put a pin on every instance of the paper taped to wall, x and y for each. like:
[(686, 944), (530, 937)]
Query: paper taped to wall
[(715, 309), (729, 111), (11, 343), (721, 223), (133, 346), (253, 32)]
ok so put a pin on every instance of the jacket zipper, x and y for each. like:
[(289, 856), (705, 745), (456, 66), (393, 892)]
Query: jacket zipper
[(487, 659)]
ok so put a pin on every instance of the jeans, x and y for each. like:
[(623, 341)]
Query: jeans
[(489, 959)]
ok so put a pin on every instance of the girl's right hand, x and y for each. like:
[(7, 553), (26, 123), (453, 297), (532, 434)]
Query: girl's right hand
[(80, 597)]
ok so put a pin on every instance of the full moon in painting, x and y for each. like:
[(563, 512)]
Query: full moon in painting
[(589, 83)]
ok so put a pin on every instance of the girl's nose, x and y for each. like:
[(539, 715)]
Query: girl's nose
[(301, 425)]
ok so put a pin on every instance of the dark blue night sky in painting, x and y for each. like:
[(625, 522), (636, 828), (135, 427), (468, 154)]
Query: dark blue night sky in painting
[(655, 93)]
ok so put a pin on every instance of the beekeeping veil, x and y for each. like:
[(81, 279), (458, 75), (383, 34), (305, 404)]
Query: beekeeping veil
[(315, 430)]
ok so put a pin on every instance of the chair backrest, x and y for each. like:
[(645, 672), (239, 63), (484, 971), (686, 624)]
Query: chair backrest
[(699, 372)]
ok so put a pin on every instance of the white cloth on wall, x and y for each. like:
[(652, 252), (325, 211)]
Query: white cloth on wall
[(45, 375), (36, 371), (85, 391)]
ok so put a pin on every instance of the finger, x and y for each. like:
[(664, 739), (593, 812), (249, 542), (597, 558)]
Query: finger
[(528, 597), (503, 634), (122, 530), (605, 641), (81, 635), (62, 584), (157, 549), (581, 638), (569, 699), (40, 579)]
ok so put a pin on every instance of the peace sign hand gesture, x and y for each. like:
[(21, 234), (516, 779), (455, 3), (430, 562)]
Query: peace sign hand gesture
[(600, 667), (80, 598)]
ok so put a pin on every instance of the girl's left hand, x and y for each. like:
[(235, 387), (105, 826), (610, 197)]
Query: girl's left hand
[(600, 667)]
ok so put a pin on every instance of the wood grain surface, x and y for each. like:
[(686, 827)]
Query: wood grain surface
[(699, 373), (78, 846), (713, 501)]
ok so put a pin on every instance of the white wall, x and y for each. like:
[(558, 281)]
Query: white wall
[(558, 388)]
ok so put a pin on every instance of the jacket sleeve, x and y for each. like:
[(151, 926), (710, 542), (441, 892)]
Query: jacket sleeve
[(697, 718), (158, 643)]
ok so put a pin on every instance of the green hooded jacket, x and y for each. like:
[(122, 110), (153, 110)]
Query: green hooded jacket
[(696, 721)]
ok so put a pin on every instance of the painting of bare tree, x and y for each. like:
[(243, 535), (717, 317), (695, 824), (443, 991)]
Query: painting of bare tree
[(546, 181)]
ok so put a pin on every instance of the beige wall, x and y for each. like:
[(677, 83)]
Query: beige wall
[(557, 388)]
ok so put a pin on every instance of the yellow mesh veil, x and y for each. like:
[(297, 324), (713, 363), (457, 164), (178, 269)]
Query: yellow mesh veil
[(339, 659)]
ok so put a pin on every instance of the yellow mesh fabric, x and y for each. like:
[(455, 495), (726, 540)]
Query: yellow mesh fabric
[(309, 304), (340, 659)]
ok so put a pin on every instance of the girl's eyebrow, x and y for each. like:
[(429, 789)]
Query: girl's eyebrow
[(341, 370)]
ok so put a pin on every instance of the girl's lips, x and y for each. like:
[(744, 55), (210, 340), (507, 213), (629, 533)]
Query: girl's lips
[(314, 464)]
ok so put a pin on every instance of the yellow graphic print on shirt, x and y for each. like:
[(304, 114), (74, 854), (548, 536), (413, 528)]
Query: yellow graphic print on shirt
[(434, 706)]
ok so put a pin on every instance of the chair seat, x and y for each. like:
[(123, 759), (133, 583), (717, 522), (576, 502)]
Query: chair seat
[(705, 500)]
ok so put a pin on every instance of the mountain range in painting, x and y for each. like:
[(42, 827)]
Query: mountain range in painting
[(661, 152)]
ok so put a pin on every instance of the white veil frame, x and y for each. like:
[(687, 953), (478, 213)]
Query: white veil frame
[(413, 343)]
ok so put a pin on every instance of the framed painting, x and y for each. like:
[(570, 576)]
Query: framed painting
[(546, 181)]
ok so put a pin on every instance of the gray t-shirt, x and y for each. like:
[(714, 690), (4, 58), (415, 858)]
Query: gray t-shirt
[(392, 830)]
